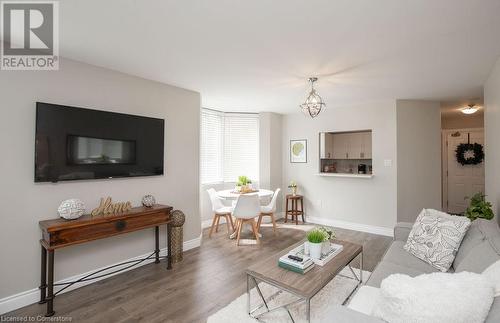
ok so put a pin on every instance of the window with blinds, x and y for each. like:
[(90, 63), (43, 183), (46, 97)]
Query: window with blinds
[(229, 146), (241, 146), (211, 146)]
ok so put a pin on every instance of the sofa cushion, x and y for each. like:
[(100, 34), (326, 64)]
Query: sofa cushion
[(436, 237), (479, 258), (494, 314), (472, 238), (386, 268), (402, 231), (481, 255), (343, 314), (493, 274), (399, 256)]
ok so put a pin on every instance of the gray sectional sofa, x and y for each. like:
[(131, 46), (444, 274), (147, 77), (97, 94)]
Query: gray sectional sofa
[(479, 249)]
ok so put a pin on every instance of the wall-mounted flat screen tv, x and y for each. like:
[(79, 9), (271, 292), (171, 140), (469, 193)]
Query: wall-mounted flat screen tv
[(75, 144)]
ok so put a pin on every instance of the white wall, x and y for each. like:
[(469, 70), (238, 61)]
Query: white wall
[(419, 157), (462, 121), (270, 152), (492, 134), (24, 203), (368, 204)]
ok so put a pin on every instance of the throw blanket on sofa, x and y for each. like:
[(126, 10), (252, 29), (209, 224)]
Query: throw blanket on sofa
[(435, 298)]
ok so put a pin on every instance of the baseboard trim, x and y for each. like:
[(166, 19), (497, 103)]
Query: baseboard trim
[(31, 296), (352, 226), (207, 223)]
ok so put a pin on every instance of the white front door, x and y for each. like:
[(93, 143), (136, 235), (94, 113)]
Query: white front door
[(463, 180)]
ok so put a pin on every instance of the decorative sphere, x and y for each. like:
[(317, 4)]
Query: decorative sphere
[(148, 201), (71, 209), (178, 218)]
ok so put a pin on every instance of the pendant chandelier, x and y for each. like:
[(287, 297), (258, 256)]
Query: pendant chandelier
[(314, 103)]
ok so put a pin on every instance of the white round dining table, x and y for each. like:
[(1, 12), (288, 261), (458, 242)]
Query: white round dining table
[(230, 195)]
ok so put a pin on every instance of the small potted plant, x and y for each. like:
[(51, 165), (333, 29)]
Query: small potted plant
[(293, 187), (479, 208), (315, 238)]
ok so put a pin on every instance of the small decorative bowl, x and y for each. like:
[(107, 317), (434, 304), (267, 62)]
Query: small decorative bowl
[(71, 209)]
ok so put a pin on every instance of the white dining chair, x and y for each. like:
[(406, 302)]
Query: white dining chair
[(219, 211), (268, 210), (247, 208)]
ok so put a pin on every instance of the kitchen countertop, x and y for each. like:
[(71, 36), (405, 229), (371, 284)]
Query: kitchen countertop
[(348, 175)]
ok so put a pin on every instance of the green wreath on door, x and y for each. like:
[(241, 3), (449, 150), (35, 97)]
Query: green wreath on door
[(470, 154)]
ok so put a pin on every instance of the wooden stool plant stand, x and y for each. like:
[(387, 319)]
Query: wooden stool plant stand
[(294, 211)]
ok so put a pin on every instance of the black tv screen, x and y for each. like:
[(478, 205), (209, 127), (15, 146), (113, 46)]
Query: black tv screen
[(75, 143)]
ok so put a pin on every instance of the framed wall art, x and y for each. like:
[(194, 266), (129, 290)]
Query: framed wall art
[(298, 151)]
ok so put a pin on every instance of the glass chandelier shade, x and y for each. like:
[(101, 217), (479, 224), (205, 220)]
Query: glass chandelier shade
[(313, 103), (470, 109)]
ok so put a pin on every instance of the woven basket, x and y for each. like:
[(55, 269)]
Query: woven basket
[(178, 219)]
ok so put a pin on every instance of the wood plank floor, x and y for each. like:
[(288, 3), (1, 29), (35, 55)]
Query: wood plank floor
[(208, 279)]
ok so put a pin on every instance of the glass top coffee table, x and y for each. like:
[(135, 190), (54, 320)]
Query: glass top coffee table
[(304, 287)]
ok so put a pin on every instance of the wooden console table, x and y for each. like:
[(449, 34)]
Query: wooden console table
[(60, 233)]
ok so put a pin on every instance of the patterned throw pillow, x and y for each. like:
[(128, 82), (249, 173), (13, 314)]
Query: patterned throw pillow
[(436, 237)]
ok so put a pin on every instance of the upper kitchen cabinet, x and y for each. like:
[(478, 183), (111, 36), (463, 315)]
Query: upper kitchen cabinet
[(346, 145), (366, 145), (325, 145), (346, 153)]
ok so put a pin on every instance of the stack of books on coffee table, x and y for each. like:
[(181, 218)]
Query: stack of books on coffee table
[(296, 264)]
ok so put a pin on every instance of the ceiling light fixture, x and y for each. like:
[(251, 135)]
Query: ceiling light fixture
[(470, 109), (314, 103)]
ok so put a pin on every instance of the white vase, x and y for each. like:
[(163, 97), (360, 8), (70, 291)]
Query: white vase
[(306, 248), (315, 250), (325, 248)]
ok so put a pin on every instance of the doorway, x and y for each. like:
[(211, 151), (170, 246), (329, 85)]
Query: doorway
[(460, 182)]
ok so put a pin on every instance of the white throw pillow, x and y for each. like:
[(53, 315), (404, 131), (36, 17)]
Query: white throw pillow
[(493, 274), (436, 237), (435, 298)]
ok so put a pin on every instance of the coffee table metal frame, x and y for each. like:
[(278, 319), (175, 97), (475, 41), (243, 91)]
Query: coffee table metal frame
[(300, 298)]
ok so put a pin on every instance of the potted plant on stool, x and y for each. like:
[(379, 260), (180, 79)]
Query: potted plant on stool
[(293, 187), (315, 239)]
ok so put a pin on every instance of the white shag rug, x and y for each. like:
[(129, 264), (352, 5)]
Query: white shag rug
[(334, 293)]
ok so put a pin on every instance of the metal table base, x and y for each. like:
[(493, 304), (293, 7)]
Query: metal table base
[(307, 300)]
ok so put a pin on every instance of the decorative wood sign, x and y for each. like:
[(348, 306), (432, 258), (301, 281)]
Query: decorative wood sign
[(107, 207)]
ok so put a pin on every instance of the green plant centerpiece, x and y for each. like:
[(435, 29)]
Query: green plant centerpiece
[(315, 239), (479, 208), (244, 184)]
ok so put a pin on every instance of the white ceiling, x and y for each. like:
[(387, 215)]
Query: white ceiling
[(256, 55)]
